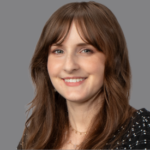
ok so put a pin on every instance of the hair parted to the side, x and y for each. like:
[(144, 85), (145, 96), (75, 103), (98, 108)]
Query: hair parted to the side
[(96, 25)]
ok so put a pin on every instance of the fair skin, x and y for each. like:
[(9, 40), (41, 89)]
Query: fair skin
[(83, 101)]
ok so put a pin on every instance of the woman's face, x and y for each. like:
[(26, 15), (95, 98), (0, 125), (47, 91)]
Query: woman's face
[(70, 60)]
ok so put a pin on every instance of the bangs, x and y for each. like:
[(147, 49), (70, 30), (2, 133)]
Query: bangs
[(87, 29)]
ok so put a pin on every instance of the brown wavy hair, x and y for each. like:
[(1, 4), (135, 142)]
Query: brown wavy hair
[(97, 25)]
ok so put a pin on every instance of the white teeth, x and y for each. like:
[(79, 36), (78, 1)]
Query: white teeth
[(73, 80)]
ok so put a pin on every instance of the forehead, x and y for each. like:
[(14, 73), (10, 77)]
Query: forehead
[(72, 38), (77, 45)]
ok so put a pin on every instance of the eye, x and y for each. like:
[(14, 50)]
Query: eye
[(90, 51), (56, 51)]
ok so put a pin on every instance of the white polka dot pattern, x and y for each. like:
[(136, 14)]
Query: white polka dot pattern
[(139, 137)]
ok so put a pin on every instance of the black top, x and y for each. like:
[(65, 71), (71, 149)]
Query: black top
[(138, 136)]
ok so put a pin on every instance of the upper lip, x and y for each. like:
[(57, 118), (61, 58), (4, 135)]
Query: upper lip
[(74, 78)]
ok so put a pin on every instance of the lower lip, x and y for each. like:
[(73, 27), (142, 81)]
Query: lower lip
[(73, 83)]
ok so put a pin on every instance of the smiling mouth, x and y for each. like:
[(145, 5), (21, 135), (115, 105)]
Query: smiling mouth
[(74, 82)]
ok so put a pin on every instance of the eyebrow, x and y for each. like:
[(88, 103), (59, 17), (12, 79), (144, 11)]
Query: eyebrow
[(78, 45)]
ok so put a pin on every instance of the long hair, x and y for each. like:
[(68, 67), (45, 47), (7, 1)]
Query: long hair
[(97, 25)]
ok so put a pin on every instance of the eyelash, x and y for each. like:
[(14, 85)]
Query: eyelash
[(83, 50)]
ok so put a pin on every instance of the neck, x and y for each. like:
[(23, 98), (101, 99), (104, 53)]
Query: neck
[(81, 113)]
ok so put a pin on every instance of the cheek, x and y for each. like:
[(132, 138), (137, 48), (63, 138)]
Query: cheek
[(94, 66), (53, 67)]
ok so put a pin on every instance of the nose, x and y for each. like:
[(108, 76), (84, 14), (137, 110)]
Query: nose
[(70, 63)]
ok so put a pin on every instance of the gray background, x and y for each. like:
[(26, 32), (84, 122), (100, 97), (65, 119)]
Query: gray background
[(21, 23)]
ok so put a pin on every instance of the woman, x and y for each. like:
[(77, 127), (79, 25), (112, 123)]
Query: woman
[(82, 77)]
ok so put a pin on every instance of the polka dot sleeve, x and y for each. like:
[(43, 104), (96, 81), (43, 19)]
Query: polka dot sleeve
[(139, 137)]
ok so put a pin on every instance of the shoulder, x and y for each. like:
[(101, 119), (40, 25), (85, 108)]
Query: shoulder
[(139, 134)]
